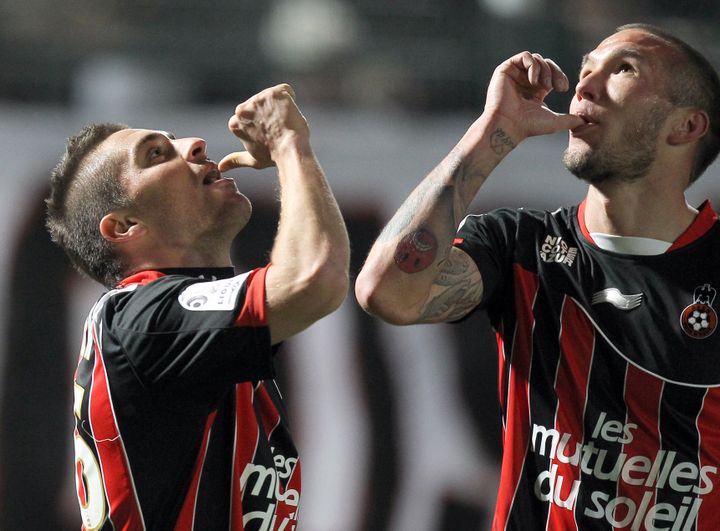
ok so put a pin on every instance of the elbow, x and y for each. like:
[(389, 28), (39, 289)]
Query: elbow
[(366, 292), (335, 287), (327, 288), (379, 302)]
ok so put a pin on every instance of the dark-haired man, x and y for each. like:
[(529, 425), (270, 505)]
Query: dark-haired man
[(606, 313), (179, 423)]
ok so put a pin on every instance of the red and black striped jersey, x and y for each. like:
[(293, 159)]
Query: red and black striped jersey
[(609, 373), (179, 423)]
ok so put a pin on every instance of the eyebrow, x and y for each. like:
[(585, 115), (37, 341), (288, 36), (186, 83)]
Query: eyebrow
[(622, 52)]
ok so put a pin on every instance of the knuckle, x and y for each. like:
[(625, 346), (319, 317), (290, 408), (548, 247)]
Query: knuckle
[(245, 112)]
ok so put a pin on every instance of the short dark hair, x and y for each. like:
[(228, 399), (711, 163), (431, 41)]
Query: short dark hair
[(84, 187), (695, 83)]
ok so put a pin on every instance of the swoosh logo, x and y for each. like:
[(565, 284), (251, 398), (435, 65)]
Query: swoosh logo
[(617, 299)]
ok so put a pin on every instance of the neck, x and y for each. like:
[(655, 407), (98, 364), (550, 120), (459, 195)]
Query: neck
[(636, 209), (171, 258)]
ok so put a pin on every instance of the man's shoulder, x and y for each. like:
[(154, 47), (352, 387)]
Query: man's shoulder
[(137, 298), (563, 217), (179, 300)]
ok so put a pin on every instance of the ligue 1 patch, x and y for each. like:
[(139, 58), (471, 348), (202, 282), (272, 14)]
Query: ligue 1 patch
[(218, 295), (699, 320)]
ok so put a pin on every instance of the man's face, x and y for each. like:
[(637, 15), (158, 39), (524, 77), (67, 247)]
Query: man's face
[(621, 95), (176, 191)]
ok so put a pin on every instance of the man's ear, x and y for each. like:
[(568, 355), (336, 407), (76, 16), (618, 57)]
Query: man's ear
[(119, 227), (689, 127)]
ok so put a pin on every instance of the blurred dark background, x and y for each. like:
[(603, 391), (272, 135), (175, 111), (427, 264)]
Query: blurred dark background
[(423, 55)]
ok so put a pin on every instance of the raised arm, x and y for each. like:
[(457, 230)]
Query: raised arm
[(413, 274), (310, 257)]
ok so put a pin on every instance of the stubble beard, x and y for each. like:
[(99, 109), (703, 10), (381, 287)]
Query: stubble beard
[(627, 159)]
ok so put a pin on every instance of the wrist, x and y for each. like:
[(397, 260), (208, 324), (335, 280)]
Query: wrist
[(489, 139), (495, 120), (291, 144)]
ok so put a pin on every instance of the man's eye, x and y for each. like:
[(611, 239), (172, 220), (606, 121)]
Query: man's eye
[(625, 67)]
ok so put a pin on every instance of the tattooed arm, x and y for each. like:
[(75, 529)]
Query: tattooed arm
[(413, 274)]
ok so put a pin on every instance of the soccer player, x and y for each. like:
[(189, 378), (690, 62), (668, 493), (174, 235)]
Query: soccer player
[(179, 423), (605, 312)]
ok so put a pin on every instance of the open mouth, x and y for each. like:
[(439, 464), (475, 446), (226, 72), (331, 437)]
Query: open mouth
[(213, 175)]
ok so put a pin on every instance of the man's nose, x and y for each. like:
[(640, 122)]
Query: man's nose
[(192, 149), (587, 88)]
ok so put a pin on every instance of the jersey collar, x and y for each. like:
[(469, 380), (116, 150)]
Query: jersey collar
[(147, 276), (703, 222)]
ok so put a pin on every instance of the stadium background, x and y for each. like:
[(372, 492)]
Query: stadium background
[(397, 427)]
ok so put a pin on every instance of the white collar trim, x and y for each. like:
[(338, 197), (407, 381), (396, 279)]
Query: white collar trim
[(630, 244)]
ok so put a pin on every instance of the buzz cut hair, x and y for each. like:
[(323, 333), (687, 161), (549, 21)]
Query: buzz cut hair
[(85, 186), (694, 83)]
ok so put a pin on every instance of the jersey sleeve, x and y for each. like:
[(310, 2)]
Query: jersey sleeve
[(187, 331), (489, 240)]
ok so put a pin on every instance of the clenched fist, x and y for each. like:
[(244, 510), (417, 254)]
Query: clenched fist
[(264, 123)]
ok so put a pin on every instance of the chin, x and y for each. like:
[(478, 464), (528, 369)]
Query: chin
[(581, 164), (234, 216), (575, 158)]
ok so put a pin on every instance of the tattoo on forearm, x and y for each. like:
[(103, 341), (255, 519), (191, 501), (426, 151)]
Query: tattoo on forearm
[(435, 186), (454, 166), (409, 209), (418, 248), (429, 196), (429, 215), (457, 290), (500, 142), (416, 251)]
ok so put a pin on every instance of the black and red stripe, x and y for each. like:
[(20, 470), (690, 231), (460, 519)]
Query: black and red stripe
[(517, 414), (124, 509)]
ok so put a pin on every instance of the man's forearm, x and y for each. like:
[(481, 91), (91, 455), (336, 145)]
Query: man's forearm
[(311, 228), (409, 253), (310, 255)]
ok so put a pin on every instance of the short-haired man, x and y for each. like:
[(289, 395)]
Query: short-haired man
[(606, 313), (179, 423)]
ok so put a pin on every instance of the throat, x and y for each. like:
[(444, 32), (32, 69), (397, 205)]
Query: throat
[(642, 217)]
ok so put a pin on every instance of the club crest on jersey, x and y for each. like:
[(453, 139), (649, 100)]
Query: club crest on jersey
[(699, 319), (555, 250)]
